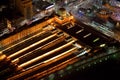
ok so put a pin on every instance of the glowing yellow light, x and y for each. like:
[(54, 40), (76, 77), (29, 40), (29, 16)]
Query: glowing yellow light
[(102, 45), (96, 39)]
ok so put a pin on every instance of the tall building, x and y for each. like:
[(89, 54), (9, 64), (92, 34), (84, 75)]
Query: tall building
[(25, 7)]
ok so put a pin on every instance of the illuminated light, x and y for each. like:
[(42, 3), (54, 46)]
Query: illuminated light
[(9, 26), (78, 45), (69, 27), (105, 58), (102, 45), (114, 55), (41, 41), (69, 68), (48, 53), (0, 52), (23, 41), (94, 62), (71, 17), (83, 67), (84, 52), (2, 56), (51, 6), (100, 61), (60, 55), (96, 40), (87, 35), (51, 77), (50, 21), (56, 57), (79, 31), (38, 10)]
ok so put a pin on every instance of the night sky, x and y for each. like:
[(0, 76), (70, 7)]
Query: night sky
[(4, 2)]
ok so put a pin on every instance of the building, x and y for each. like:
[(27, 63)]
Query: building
[(25, 7), (60, 45)]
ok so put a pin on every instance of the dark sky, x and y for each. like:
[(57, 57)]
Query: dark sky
[(118, 0), (4, 2)]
